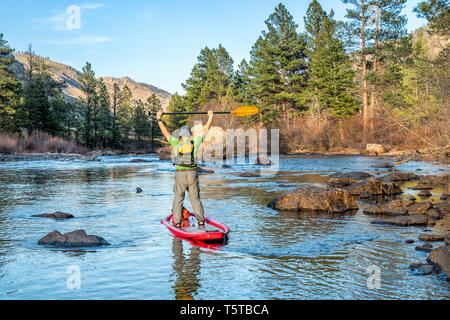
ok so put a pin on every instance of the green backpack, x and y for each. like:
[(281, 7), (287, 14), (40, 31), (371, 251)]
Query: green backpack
[(184, 155)]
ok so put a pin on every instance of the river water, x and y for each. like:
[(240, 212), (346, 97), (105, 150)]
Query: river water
[(269, 255)]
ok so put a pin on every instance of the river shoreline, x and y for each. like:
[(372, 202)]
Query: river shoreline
[(438, 155)]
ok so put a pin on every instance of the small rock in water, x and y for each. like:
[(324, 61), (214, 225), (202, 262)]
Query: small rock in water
[(411, 198), (426, 247), (138, 160), (55, 215), (409, 241), (226, 166), (382, 165), (431, 237), (263, 161), (248, 175), (77, 238), (204, 170), (138, 190)]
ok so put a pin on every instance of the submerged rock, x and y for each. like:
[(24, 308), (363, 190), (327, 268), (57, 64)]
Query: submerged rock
[(248, 175), (353, 175), (424, 193), (423, 268), (55, 215), (138, 190), (77, 238), (315, 197)]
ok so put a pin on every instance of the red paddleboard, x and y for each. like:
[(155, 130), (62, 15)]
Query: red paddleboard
[(212, 230)]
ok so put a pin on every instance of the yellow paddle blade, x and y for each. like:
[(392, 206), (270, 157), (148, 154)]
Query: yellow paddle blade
[(245, 111)]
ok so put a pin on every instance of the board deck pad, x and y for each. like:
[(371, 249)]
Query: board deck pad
[(193, 227)]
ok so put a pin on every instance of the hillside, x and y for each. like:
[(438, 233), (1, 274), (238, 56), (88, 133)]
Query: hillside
[(62, 72)]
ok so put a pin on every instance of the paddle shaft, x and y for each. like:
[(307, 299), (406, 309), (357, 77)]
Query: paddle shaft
[(173, 113)]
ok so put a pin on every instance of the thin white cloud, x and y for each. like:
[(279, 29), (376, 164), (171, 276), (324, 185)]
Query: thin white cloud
[(149, 12), (59, 18), (87, 6), (80, 41)]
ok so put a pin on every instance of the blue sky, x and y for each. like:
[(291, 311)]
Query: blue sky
[(156, 42)]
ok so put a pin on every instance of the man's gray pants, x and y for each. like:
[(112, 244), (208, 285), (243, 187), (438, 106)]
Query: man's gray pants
[(187, 180)]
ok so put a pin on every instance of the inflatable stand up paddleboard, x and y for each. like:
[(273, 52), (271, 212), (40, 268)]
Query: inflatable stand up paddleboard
[(212, 230)]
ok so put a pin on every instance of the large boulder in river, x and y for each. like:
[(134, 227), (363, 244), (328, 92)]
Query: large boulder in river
[(315, 197), (374, 149), (55, 215), (77, 238), (165, 153), (441, 257), (215, 140)]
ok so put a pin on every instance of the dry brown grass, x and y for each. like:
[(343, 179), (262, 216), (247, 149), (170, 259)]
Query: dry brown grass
[(308, 133), (37, 143)]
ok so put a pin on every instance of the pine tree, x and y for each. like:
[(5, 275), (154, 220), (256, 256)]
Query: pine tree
[(88, 85), (124, 113), (41, 94), (314, 21), (104, 119), (242, 84), (210, 78), (10, 88), (358, 40), (140, 120), (331, 78), (154, 105), (390, 26), (115, 123), (437, 13), (278, 64), (177, 104)]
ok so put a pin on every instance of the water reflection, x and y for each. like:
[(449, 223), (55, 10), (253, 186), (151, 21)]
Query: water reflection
[(187, 270)]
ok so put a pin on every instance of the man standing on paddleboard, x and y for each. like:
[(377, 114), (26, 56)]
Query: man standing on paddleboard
[(186, 177)]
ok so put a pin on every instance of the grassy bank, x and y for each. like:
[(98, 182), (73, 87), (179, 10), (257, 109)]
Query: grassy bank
[(37, 143)]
